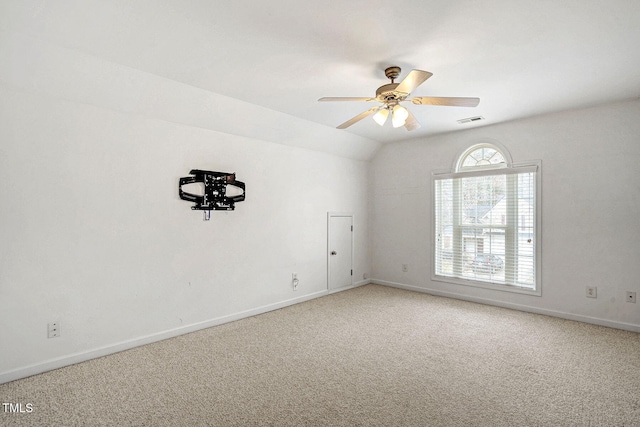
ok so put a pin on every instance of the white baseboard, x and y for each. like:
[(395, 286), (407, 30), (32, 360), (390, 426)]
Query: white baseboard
[(126, 345), (563, 315), (355, 285)]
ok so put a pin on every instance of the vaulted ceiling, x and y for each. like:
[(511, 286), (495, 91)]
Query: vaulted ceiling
[(520, 58)]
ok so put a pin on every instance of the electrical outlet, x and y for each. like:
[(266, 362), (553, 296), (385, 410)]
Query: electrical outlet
[(405, 267), (294, 281), (592, 292), (53, 330), (631, 297)]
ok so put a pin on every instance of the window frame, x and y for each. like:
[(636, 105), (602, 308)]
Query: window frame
[(507, 168)]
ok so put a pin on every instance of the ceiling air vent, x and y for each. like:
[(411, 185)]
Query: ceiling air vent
[(470, 119)]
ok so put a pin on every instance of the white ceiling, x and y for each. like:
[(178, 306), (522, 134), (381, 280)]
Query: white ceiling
[(520, 58)]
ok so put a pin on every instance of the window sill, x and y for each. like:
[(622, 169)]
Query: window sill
[(488, 285)]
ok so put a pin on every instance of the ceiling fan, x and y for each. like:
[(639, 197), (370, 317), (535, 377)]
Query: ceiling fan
[(392, 94)]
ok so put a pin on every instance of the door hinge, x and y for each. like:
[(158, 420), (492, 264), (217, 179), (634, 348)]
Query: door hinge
[(352, 228), (352, 272)]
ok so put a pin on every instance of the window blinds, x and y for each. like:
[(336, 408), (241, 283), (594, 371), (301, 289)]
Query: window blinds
[(485, 226)]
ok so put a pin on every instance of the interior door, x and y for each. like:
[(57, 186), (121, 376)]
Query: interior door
[(340, 257)]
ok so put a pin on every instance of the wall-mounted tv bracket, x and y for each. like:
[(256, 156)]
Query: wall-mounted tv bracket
[(215, 191)]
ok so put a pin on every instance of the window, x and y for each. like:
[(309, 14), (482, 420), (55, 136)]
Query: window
[(486, 228)]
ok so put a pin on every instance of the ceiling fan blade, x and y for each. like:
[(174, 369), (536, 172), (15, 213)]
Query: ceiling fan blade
[(358, 118), (411, 123), (446, 101), (414, 79), (345, 98)]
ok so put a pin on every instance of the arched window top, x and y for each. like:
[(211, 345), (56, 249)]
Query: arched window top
[(482, 156)]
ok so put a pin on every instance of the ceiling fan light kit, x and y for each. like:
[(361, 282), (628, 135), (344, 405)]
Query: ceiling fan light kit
[(381, 116), (392, 94), (399, 116)]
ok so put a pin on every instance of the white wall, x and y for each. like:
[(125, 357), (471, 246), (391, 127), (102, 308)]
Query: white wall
[(93, 232), (590, 210)]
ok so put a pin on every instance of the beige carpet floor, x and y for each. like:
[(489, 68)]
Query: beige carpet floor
[(370, 356)]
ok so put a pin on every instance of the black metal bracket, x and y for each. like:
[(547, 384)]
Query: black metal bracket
[(215, 190)]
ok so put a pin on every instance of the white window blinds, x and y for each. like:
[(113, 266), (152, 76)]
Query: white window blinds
[(485, 226)]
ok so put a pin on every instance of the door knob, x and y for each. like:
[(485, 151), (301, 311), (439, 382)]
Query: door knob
[(334, 253)]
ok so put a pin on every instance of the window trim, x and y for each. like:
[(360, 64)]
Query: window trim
[(459, 159), (508, 168)]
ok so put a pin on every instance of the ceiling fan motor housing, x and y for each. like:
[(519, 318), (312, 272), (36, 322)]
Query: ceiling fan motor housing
[(388, 93)]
